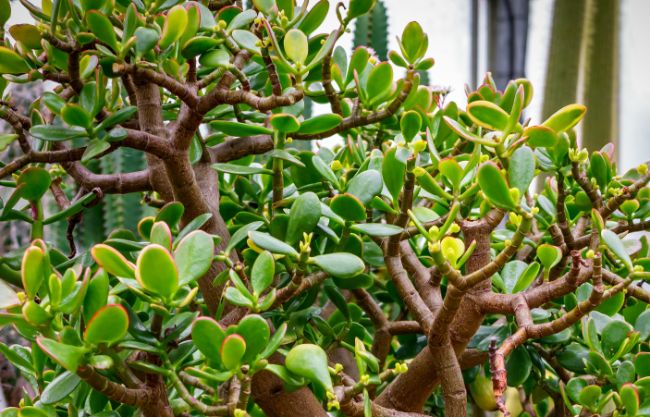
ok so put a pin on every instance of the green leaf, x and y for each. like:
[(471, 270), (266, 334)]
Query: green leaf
[(87, 5), (320, 124), (68, 356), (451, 170), (96, 294), (612, 305), (53, 133), (240, 169), (325, 171), (527, 277), (275, 341), (414, 42), (511, 273), (109, 325), (175, 25), (630, 398), (242, 20), (488, 115), (236, 297), (256, 333), (303, 217), (95, 148), (518, 366), (241, 234), (193, 256), (393, 170), (200, 45), (27, 34), (615, 244), (120, 116), (380, 82), (315, 17), (171, 213), (589, 396), (73, 114), (310, 362), (208, 336), (7, 139), (268, 242), (521, 169), (494, 186), (156, 271), (233, 349), (284, 122), (339, 265), (377, 229), (11, 62), (359, 7), (33, 183), (613, 335), (549, 255), (296, 45), (262, 272), (5, 13), (540, 137), (247, 40), (145, 40), (365, 185), (112, 261), (59, 388), (35, 314), (410, 124), (240, 129), (103, 29), (565, 118), (33, 270), (642, 364), (348, 207)]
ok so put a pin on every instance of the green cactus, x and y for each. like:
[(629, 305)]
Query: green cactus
[(583, 59), (372, 30)]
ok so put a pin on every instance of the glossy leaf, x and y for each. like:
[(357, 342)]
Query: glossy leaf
[(296, 45), (112, 261), (348, 207), (109, 325), (156, 271), (549, 255), (365, 185), (268, 242), (33, 270), (11, 62), (102, 27), (193, 256), (303, 217), (340, 265), (494, 186), (521, 169), (565, 118), (59, 388), (68, 356), (310, 362), (233, 349), (488, 115), (175, 24), (208, 336), (319, 124), (615, 244), (262, 272)]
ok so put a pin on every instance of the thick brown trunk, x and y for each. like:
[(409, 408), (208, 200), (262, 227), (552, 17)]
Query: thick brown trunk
[(410, 391)]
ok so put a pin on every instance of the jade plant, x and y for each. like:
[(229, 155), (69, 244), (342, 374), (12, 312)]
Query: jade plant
[(408, 271)]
